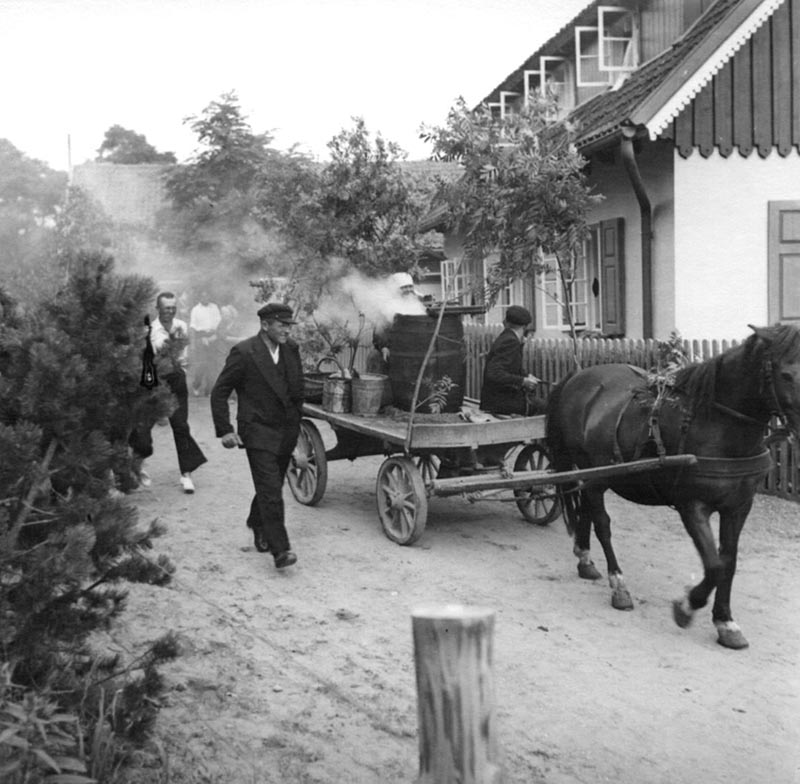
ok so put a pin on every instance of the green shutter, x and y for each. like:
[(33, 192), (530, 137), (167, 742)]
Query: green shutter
[(612, 271)]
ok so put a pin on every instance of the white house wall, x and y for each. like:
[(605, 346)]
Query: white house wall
[(721, 239), (612, 181)]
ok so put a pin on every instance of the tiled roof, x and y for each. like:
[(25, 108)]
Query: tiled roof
[(658, 90), (602, 117)]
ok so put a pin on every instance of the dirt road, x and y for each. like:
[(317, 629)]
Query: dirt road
[(307, 675)]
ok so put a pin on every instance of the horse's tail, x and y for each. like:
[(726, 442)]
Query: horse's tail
[(560, 458)]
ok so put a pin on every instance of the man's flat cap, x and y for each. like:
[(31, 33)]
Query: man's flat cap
[(518, 316), (277, 311)]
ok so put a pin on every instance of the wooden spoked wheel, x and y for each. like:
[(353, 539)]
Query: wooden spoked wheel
[(428, 467), (402, 501), (308, 469), (538, 504)]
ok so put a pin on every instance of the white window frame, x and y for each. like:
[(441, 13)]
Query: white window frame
[(454, 282), (605, 40), (526, 76), (552, 301), (505, 103), (580, 30)]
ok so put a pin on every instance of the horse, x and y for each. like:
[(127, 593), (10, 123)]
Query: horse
[(719, 411)]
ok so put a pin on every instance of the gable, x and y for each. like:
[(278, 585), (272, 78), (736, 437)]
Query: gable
[(753, 102)]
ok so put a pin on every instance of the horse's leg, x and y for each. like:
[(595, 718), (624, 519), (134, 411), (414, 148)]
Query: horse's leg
[(620, 596), (579, 512), (695, 517), (731, 523)]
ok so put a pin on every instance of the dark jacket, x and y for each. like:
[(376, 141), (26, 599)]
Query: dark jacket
[(502, 391), (269, 406)]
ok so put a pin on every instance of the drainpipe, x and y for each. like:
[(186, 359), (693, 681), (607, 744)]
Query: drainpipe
[(646, 216)]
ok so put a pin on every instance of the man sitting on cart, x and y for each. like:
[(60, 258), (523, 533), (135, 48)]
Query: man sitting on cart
[(507, 389)]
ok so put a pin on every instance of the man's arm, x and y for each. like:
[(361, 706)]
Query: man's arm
[(227, 381)]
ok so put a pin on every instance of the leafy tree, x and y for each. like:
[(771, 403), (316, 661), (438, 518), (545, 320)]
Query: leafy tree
[(212, 218), (356, 212), (523, 194), (81, 226), (121, 145)]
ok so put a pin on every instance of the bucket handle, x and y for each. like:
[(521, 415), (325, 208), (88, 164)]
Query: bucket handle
[(330, 359)]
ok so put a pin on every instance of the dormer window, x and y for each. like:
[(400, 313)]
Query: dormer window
[(604, 52), (552, 79), (617, 39)]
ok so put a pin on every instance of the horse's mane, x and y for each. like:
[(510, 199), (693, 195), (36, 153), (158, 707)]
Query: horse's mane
[(697, 382)]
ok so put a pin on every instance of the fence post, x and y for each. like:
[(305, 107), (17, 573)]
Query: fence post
[(453, 654)]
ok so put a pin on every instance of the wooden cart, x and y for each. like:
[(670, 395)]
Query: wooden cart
[(504, 460)]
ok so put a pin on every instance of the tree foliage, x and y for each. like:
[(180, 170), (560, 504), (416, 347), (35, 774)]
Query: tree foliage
[(121, 145), (212, 219), (69, 395), (242, 206), (30, 195), (523, 194)]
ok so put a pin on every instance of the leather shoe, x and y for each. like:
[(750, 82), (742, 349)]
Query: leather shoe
[(284, 559), (260, 541)]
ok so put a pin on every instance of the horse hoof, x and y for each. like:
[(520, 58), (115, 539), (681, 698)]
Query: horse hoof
[(588, 571), (679, 612), (621, 600), (731, 637)]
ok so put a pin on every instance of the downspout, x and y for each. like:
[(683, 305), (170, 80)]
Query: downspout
[(646, 218)]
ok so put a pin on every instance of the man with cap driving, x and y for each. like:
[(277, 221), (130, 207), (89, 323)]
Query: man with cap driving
[(505, 384), (266, 373)]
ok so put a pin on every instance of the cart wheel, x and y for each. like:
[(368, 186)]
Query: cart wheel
[(539, 504), (428, 467), (308, 468), (402, 502)]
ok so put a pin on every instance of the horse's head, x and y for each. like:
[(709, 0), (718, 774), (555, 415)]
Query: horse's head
[(781, 362)]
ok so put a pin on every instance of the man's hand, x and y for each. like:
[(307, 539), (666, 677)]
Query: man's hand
[(230, 440), (530, 381)]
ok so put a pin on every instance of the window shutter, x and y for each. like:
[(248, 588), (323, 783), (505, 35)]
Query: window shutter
[(784, 262), (612, 271)]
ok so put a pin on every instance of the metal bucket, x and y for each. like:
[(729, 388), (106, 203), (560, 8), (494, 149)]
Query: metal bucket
[(368, 393), (337, 395)]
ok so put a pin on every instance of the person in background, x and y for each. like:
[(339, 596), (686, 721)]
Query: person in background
[(169, 337), (406, 299), (266, 373), (505, 384), (203, 322)]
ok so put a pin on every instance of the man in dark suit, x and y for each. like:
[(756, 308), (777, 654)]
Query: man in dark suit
[(505, 384), (266, 373)]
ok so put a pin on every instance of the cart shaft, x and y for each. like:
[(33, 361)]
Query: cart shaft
[(526, 479)]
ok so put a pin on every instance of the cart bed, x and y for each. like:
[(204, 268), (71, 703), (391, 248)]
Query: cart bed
[(439, 435)]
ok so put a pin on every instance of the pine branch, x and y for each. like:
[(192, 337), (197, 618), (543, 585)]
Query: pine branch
[(36, 488)]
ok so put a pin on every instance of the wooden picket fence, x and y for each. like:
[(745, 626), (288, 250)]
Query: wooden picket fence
[(552, 359)]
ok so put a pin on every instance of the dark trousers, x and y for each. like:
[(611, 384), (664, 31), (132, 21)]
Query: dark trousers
[(266, 510), (190, 456)]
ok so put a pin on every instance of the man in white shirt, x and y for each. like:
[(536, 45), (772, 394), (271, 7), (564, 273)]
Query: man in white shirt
[(170, 339), (204, 320)]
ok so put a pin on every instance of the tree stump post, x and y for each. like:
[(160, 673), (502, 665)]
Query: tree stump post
[(453, 653)]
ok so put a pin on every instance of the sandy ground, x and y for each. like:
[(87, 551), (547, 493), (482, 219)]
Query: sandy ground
[(307, 675)]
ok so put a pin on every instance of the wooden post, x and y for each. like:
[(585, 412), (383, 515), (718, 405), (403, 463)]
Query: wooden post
[(453, 652)]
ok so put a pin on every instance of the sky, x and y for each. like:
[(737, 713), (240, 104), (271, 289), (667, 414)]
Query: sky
[(302, 69)]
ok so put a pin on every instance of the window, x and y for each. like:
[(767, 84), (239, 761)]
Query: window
[(783, 263), (598, 286), (554, 77), (454, 285), (607, 50), (617, 39), (587, 59), (556, 313)]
